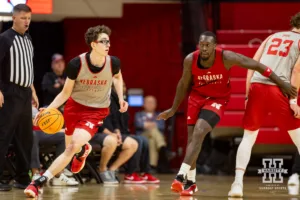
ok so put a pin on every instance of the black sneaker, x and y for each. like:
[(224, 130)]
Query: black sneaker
[(188, 184), (180, 178), (20, 185), (5, 187)]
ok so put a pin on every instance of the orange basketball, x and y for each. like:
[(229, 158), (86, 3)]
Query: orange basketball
[(51, 120)]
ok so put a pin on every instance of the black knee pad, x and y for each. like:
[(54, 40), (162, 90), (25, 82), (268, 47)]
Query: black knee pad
[(211, 117)]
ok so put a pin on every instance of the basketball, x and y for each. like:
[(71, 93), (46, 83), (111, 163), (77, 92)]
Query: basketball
[(51, 120)]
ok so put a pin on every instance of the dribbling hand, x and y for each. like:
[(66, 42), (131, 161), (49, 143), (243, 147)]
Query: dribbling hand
[(37, 116), (166, 114), (123, 106), (1, 99)]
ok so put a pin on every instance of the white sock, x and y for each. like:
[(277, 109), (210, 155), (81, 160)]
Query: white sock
[(244, 153), (48, 174), (184, 169), (239, 175), (191, 175)]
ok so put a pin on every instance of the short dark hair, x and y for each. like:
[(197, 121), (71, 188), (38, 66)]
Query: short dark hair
[(208, 33), (295, 21), (93, 33), (21, 7)]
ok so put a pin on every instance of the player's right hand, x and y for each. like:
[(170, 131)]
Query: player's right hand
[(296, 109), (1, 99), (289, 90), (166, 114), (37, 116)]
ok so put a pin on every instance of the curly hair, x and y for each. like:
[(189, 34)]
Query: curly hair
[(92, 33), (295, 21)]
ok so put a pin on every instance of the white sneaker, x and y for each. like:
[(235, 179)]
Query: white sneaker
[(293, 190), (67, 172), (236, 190), (294, 179), (63, 180)]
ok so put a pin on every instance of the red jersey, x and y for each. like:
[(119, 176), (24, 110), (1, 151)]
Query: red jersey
[(211, 82)]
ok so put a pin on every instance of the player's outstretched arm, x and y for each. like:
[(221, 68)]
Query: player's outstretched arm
[(63, 96), (118, 83), (231, 59), (182, 88)]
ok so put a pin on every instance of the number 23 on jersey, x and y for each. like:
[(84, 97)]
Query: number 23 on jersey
[(276, 43)]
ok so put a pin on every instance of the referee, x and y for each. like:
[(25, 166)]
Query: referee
[(17, 95)]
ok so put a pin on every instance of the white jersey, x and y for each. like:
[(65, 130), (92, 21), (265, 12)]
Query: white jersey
[(280, 54), (93, 89)]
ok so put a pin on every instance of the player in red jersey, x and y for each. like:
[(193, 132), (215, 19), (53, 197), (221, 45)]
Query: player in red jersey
[(280, 51), (207, 72)]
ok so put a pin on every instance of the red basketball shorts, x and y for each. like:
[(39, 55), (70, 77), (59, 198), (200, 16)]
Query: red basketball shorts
[(264, 99), (83, 117), (197, 102)]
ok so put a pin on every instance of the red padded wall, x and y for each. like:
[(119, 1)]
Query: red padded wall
[(257, 15)]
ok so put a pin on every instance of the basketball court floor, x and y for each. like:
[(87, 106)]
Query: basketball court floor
[(210, 188)]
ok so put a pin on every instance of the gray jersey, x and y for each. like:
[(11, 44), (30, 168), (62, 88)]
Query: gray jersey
[(93, 89), (280, 54)]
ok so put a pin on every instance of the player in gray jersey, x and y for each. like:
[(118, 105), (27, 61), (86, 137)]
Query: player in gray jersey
[(87, 92), (280, 52)]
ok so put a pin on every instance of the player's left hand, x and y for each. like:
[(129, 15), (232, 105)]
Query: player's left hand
[(166, 114), (289, 90), (123, 106), (296, 109), (35, 100), (37, 116)]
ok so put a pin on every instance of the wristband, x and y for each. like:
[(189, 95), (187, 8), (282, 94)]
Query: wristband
[(293, 101), (246, 98), (267, 72)]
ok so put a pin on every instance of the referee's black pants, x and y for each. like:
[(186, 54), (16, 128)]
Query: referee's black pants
[(16, 129)]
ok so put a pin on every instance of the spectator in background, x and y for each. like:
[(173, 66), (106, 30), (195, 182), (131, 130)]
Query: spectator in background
[(53, 82), (139, 162), (112, 141), (42, 139), (147, 125)]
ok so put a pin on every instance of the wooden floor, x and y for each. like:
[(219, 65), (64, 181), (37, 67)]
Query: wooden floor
[(210, 188)]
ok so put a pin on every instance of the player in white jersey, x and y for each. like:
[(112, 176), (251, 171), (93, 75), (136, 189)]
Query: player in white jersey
[(280, 52), (87, 92)]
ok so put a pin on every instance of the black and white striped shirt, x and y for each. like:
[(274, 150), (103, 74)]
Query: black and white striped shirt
[(16, 58)]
